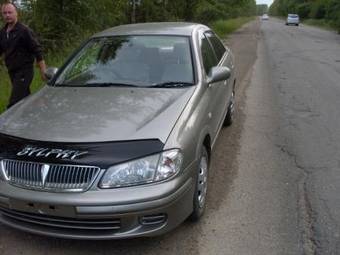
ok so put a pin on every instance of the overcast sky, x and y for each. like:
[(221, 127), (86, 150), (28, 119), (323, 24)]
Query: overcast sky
[(268, 2)]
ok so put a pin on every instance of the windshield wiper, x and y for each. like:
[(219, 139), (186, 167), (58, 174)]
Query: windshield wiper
[(171, 84), (99, 84), (109, 84)]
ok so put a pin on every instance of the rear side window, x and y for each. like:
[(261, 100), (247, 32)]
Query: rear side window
[(208, 55), (216, 44)]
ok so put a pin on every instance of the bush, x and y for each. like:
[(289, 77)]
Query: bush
[(318, 10), (208, 13), (333, 13), (304, 10)]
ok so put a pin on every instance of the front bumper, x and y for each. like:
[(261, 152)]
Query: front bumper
[(149, 211)]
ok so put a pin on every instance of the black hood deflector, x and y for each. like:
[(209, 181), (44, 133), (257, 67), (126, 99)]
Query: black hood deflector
[(101, 154)]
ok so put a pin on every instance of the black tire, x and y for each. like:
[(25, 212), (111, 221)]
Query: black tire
[(200, 195), (229, 118)]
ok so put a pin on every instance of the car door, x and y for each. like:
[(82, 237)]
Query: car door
[(217, 91), (224, 58)]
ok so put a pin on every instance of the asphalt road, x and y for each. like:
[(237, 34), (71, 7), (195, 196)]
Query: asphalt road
[(304, 70), (274, 182)]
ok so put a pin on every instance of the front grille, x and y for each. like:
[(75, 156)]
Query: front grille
[(61, 222), (52, 177)]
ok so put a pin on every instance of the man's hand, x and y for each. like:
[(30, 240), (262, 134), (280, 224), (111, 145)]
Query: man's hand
[(42, 66)]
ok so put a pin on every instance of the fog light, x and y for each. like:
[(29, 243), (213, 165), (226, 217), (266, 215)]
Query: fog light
[(154, 219)]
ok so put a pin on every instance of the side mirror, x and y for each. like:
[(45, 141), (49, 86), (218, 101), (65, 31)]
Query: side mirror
[(50, 72), (218, 73)]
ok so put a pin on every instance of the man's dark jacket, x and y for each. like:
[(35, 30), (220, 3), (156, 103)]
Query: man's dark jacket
[(20, 47)]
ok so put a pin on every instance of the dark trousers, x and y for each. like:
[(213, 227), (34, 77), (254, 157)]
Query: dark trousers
[(21, 81)]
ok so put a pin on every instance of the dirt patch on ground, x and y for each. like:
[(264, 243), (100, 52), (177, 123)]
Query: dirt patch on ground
[(243, 44)]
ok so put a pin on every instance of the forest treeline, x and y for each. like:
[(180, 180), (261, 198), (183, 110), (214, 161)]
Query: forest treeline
[(261, 9), (328, 10), (62, 22)]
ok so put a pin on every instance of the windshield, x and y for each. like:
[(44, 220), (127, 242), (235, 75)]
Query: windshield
[(143, 61), (293, 15)]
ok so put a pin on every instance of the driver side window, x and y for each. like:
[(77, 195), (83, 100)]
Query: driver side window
[(208, 55)]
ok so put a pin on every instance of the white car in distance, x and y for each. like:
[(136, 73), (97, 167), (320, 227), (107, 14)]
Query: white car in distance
[(293, 19)]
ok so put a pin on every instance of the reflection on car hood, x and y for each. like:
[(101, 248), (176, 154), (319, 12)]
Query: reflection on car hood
[(68, 114)]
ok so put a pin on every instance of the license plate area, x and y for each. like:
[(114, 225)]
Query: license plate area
[(42, 208)]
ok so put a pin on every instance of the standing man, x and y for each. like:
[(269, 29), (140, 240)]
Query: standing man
[(20, 47)]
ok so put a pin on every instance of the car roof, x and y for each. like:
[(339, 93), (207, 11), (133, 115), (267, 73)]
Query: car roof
[(160, 28)]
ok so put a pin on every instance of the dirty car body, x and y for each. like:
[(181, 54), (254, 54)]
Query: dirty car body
[(118, 143)]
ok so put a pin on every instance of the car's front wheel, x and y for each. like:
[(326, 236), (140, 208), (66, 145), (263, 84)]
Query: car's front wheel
[(201, 187)]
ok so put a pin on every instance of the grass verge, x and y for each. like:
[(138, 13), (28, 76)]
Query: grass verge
[(321, 23), (225, 27), (4, 88)]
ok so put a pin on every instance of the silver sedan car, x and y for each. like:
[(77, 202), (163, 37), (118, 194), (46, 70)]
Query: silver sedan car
[(118, 143), (293, 19)]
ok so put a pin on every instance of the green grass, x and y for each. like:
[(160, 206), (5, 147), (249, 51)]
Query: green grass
[(4, 88), (321, 23), (225, 27)]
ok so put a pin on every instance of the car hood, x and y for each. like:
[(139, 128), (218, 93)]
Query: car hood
[(69, 114)]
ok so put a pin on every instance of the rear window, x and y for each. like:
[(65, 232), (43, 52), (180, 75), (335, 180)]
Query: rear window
[(293, 15)]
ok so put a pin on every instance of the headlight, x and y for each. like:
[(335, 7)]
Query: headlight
[(150, 169)]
